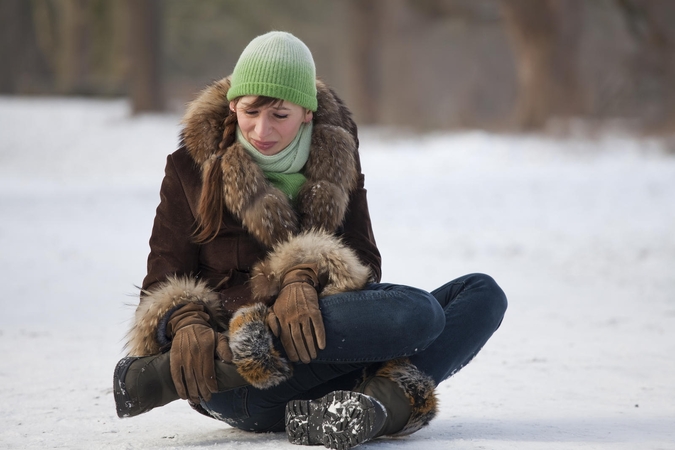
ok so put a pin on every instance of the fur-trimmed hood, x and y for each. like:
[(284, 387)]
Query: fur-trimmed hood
[(331, 170)]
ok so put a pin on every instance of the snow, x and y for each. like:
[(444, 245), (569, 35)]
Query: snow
[(579, 231)]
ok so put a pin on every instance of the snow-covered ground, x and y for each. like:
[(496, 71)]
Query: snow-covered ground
[(580, 233)]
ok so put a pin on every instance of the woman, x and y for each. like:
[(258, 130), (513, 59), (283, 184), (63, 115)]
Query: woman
[(263, 305)]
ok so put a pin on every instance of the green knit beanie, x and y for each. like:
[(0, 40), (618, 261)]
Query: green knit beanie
[(277, 65)]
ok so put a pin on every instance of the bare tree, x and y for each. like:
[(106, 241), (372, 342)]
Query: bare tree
[(653, 64), (72, 63), (23, 67), (545, 36), (145, 53), (363, 59), (13, 22)]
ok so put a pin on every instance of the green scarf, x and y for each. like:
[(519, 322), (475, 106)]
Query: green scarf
[(283, 169)]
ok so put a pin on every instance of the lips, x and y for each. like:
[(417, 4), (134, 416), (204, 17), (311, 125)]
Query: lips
[(263, 145)]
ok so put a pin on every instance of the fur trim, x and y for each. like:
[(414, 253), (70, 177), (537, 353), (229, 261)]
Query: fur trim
[(418, 387), (331, 176), (264, 210), (156, 303), (204, 118), (331, 170), (336, 262), (204, 121), (253, 352)]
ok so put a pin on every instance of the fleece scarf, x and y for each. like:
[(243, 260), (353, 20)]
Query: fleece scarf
[(283, 169)]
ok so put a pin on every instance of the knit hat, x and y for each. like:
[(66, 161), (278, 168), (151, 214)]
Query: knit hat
[(278, 65)]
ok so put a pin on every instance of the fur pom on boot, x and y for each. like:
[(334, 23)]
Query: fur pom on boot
[(416, 386)]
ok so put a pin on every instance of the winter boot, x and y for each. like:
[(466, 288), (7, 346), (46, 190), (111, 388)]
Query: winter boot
[(339, 420), (396, 400), (393, 399), (143, 383), (407, 394)]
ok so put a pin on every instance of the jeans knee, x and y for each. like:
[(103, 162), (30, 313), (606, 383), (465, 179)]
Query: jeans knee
[(425, 319), (492, 298)]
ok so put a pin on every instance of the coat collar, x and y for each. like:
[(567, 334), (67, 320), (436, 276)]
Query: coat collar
[(332, 168)]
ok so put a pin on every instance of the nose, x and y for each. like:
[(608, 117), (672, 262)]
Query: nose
[(262, 126)]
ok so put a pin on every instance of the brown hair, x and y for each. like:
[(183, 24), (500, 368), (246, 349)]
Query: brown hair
[(210, 209)]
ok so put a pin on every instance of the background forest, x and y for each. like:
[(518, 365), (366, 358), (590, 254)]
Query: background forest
[(500, 65)]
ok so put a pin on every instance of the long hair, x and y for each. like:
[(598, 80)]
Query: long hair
[(211, 205)]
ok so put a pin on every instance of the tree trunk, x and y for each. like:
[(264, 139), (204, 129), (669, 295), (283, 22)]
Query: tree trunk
[(145, 55), (72, 65), (545, 38), (23, 67), (363, 60), (653, 65)]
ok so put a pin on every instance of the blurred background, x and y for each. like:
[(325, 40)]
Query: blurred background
[(498, 65), (542, 152)]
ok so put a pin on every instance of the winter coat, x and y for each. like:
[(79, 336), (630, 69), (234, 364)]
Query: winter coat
[(237, 274)]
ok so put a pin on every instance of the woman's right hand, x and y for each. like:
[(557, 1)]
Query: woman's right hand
[(194, 347)]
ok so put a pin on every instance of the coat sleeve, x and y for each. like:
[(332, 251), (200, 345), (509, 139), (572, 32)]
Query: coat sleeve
[(172, 250), (173, 264), (357, 227), (358, 231)]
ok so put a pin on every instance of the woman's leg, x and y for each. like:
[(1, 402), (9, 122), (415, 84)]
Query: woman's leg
[(252, 409), (440, 332), (404, 388), (382, 322), (474, 306), (379, 323)]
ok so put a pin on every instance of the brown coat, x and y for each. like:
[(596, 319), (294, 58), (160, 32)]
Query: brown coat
[(261, 234)]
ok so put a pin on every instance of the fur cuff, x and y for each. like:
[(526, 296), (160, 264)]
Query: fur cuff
[(418, 387), (336, 262), (257, 361), (156, 303)]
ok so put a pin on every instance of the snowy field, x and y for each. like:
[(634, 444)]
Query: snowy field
[(580, 233)]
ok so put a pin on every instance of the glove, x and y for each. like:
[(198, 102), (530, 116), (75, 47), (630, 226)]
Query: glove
[(194, 347), (295, 316)]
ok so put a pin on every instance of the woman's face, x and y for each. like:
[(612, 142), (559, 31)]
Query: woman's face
[(269, 128)]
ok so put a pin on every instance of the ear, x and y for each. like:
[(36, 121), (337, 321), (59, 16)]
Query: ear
[(233, 106), (309, 115)]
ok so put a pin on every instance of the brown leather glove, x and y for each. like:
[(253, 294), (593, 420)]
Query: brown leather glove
[(295, 316), (194, 347)]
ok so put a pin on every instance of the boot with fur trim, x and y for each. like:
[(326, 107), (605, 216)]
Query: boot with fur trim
[(406, 392), (397, 400), (394, 401), (144, 383)]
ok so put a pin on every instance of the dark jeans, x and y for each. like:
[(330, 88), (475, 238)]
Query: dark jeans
[(440, 331)]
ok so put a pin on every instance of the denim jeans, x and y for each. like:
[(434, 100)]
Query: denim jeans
[(439, 331)]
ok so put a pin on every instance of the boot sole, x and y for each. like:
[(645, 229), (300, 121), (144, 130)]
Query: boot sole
[(340, 420), (124, 404)]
